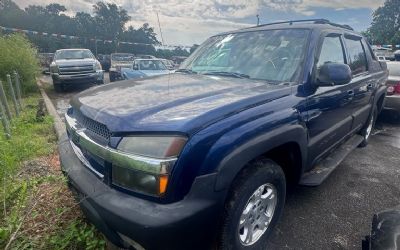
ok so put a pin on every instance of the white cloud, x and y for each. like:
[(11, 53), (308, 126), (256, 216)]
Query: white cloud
[(191, 21)]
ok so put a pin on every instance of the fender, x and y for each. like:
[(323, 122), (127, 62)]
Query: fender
[(253, 148)]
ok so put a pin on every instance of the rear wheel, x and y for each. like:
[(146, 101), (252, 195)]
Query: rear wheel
[(369, 126), (254, 206)]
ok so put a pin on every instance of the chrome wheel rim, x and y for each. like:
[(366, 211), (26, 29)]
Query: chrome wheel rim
[(257, 214), (369, 128)]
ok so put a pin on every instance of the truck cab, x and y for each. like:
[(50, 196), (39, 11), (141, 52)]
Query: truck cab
[(201, 158)]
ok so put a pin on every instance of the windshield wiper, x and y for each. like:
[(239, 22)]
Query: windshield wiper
[(226, 73), (189, 71)]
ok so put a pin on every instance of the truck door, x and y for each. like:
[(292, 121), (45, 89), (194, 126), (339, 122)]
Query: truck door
[(329, 107), (362, 82)]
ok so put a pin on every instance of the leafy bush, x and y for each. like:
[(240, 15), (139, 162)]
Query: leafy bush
[(17, 53)]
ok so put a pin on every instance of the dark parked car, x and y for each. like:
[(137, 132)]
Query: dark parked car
[(201, 158), (75, 67), (393, 83), (45, 60), (385, 231), (105, 61)]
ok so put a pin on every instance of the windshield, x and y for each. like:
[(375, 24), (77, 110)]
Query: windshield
[(272, 55), (394, 68), (123, 57), (74, 54), (151, 65)]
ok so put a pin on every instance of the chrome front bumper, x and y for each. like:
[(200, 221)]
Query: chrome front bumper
[(97, 76), (79, 139)]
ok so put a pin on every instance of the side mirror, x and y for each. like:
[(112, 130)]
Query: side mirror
[(334, 74), (135, 67)]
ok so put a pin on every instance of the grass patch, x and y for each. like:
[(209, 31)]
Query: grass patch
[(37, 210)]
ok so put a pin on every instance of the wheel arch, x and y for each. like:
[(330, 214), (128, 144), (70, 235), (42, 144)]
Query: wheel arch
[(270, 145)]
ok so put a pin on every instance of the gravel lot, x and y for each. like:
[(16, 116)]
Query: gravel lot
[(337, 214)]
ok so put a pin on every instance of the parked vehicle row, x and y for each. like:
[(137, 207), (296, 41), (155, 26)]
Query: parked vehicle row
[(213, 146)]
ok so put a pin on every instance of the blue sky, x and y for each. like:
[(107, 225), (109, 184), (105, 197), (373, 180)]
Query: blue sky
[(192, 21)]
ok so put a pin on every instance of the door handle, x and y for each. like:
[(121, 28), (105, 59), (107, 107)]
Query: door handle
[(350, 93)]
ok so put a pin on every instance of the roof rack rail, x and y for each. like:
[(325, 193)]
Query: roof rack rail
[(316, 21)]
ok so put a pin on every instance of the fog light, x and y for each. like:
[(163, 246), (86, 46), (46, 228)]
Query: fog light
[(139, 181)]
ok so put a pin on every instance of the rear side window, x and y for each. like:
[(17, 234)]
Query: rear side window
[(366, 45), (331, 51), (358, 61)]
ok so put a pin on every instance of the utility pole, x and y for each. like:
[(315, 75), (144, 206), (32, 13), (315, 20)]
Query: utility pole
[(258, 19), (159, 26), (95, 44)]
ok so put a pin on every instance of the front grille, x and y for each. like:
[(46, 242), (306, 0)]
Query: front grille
[(97, 128), (76, 70)]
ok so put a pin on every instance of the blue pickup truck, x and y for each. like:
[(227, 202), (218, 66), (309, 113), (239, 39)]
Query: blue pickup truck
[(201, 158)]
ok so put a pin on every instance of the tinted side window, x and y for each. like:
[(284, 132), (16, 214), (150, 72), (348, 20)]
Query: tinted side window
[(367, 45), (358, 61), (331, 51)]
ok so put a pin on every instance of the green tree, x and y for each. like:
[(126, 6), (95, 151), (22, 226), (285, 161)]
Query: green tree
[(107, 23), (110, 19), (55, 9), (385, 27)]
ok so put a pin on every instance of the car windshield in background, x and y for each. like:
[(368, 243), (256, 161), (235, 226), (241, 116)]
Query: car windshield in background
[(394, 68), (271, 55), (151, 65), (123, 57), (73, 54)]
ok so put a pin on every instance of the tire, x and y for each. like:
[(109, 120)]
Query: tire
[(369, 126), (112, 77), (58, 87), (263, 175)]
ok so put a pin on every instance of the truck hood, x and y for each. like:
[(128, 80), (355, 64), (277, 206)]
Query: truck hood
[(74, 62), (175, 102)]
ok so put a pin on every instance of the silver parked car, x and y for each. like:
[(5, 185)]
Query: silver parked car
[(393, 83), (75, 66)]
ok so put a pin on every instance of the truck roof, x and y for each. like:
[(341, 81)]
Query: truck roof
[(318, 24)]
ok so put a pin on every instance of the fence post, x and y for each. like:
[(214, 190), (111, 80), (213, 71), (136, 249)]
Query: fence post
[(18, 87), (13, 94), (4, 122), (3, 100)]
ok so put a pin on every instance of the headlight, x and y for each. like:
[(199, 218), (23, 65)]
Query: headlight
[(157, 147), (163, 149), (97, 66)]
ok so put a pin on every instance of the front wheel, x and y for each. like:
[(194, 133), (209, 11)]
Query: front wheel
[(112, 77), (254, 206), (58, 87), (369, 126)]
